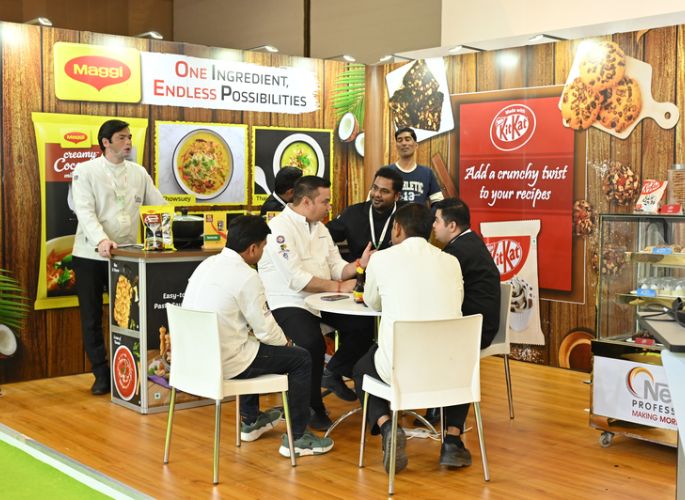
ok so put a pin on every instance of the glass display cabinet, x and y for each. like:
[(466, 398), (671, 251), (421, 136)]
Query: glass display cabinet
[(640, 265)]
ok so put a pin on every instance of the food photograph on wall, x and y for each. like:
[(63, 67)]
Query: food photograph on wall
[(201, 163)]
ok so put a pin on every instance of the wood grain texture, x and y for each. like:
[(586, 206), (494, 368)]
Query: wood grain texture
[(548, 451)]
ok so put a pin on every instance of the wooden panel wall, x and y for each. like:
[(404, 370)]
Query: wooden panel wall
[(650, 150), (51, 344), (51, 340)]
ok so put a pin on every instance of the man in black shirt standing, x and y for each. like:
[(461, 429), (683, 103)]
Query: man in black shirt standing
[(370, 221), (452, 226), (284, 186)]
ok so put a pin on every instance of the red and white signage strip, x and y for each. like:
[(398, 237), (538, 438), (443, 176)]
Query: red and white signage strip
[(175, 80), (634, 392)]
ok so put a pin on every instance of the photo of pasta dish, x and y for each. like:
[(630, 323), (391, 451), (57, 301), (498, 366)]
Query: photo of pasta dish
[(203, 164)]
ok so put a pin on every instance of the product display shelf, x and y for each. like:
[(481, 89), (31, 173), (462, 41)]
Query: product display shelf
[(630, 395)]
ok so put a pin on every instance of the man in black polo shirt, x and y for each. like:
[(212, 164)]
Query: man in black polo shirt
[(284, 186), (370, 221)]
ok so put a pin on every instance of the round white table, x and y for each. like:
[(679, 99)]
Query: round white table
[(342, 306)]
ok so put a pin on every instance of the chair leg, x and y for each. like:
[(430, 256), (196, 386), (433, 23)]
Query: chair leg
[(362, 443), (393, 454), (217, 433), (288, 429), (442, 424), (237, 421), (507, 375), (169, 423), (481, 440)]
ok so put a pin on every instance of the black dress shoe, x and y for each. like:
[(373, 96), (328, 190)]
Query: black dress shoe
[(319, 420), (334, 383), (401, 459), (101, 385), (453, 453)]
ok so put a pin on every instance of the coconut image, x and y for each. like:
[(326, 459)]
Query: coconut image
[(359, 144), (348, 128)]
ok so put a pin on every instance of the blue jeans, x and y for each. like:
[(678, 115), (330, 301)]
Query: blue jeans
[(297, 364)]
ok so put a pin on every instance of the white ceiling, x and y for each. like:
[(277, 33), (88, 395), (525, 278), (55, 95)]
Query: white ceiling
[(411, 28)]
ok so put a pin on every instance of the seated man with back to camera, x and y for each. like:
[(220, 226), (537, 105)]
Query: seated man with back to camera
[(371, 220), (252, 343), (284, 185), (300, 258), (411, 281)]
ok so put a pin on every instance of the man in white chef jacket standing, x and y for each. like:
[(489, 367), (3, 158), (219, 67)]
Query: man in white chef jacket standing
[(107, 193)]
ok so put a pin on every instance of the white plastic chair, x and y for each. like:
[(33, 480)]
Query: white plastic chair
[(434, 364), (501, 343), (196, 369)]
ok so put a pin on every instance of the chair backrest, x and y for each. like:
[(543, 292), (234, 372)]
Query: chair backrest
[(436, 363), (501, 344), (195, 352)]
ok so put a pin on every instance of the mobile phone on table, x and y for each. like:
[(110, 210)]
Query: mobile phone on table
[(333, 298)]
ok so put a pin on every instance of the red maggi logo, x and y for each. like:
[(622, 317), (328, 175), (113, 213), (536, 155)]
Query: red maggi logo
[(75, 137), (97, 71), (509, 254)]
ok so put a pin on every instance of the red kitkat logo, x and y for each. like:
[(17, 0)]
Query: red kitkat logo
[(650, 186), (75, 137), (97, 71), (512, 127), (509, 254)]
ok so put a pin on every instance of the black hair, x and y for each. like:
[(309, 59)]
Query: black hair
[(245, 230), (108, 129), (393, 175), (415, 219), (405, 129), (286, 178), (307, 186), (454, 210)]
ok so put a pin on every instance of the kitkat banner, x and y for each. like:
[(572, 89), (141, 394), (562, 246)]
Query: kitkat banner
[(516, 162), (63, 142)]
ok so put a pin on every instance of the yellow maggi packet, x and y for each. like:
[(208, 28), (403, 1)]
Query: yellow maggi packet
[(157, 227)]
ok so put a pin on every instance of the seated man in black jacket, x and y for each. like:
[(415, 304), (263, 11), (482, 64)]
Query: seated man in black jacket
[(370, 221), (284, 187), (452, 226)]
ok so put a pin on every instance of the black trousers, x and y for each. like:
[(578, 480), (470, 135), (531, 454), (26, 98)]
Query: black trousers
[(355, 338), (296, 363), (377, 407), (91, 281)]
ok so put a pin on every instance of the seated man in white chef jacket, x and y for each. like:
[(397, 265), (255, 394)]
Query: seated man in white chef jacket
[(300, 258), (410, 281)]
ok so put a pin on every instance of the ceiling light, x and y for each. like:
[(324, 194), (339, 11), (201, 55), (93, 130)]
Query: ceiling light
[(462, 48), (154, 35), (40, 21), (542, 36), (393, 57), (267, 48), (344, 57)]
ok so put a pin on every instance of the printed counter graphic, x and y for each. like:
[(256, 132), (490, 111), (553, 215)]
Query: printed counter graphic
[(516, 162), (634, 392)]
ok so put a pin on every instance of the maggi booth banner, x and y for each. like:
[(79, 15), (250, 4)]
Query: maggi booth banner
[(96, 73), (64, 141)]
